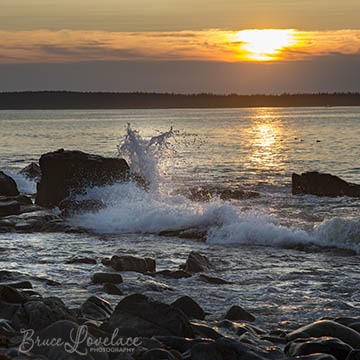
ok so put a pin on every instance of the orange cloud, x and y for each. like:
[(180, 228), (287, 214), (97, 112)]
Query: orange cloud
[(43, 46)]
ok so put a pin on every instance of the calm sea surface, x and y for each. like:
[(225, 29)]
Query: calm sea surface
[(253, 243)]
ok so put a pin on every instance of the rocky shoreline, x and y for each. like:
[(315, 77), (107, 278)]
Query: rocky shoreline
[(138, 327), (134, 325)]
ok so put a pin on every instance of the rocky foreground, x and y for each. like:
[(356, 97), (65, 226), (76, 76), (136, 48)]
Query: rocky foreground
[(137, 327)]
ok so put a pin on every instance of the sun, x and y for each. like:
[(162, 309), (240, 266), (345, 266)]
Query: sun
[(264, 45)]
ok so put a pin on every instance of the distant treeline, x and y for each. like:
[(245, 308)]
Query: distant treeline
[(142, 100)]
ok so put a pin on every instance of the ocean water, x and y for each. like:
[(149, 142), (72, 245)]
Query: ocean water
[(290, 259)]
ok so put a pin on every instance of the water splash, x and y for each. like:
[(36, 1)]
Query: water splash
[(147, 158)]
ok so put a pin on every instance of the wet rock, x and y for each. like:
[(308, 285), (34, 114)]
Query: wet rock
[(71, 207), (8, 185), (132, 263), (189, 307), (213, 280), (179, 343), (319, 184), (205, 332), (157, 354), (38, 221), (327, 328), (95, 308), (326, 345), (237, 313), (32, 171), (101, 278), (112, 289), (206, 193), (187, 233), (354, 355), (81, 260), (150, 317), (176, 274), (67, 331), (11, 295), (196, 263), (68, 172), (37, 314), (20, 285), (9, 208)]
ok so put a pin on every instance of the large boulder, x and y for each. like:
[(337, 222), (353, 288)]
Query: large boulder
[(66, 172), (196, 263), (8, 185), (315, 183), (150, 318)]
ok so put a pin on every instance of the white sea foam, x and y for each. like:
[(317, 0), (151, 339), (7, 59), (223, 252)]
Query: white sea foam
[(131, 209)]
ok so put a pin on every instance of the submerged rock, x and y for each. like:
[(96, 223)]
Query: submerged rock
[(65, 173), (206, 193), (8, 185), (172, 274), (133, 263), (196, 263), (319, 184), (213, 280)]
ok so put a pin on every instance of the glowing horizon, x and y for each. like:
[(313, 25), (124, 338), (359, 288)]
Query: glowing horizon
[(248, 45)]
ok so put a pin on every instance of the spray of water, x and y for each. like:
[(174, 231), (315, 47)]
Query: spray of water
[(147, 157)]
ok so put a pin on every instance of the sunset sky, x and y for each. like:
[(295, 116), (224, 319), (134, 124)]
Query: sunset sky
[(219, 46)]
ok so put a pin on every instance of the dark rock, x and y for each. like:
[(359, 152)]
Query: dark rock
[(238, 313), (20, 285), (327, 328), (179, 343), (32, 171), (189, 307), (95, 308), (9, 208), (101, 278), (67, 331), (354, 355), (213, 280), (205, 332), (187, 233), (196, 263), (132, 263), (68, 172), (325, 345), (315, 183), (81, 260), (112, 289), (38, 221), (313, 357), (37, 314), (176, 274), (8, 185), (157, 354), (206, 351), (106, 261), (11, 295), (206, 193), (150, 317), (71, 207)]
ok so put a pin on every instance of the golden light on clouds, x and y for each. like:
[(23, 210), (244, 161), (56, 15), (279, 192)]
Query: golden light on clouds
[(44, 46), (264, 45)]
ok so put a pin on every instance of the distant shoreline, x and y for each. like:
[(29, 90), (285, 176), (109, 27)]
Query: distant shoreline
[(71, 100)]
